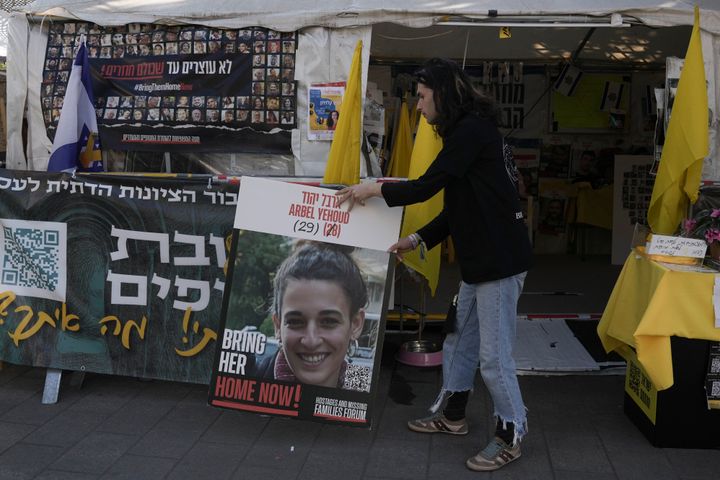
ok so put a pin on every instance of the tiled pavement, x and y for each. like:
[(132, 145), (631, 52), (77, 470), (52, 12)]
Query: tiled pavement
[(122, 428)]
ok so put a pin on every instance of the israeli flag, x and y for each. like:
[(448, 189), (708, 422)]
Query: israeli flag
[(77, 145), (568, 80)]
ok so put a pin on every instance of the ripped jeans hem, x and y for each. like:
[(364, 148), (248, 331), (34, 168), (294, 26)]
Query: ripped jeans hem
[(520, 427), (443, 396)]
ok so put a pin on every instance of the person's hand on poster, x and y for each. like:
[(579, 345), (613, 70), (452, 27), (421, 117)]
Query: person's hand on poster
[(358, 193), (404, 245)]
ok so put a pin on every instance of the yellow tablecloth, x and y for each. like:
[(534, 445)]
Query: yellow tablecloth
[(595, 206), (649, 304)]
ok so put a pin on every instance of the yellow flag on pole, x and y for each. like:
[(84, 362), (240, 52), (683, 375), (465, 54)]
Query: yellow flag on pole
[(686, 143), (427, 145), (343, 165), (403, 145)]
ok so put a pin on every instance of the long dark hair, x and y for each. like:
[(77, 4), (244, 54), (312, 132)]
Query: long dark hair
[(454, 94), (330, 121)]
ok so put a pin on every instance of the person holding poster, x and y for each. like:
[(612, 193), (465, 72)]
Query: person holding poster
[(318, 314), (482, 215)]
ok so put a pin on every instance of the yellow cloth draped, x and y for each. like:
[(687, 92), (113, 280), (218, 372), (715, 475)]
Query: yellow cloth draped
[(652, 302), (595, 206), (403, 145), (427, 145), (686, 143), (343, 165)]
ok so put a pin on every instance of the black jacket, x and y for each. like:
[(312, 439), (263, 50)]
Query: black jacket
[(481, 210)]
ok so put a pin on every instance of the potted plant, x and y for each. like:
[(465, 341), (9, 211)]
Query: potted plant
[(705, 225)]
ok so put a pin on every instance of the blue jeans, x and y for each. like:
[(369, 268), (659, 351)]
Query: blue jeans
[(485, 334)]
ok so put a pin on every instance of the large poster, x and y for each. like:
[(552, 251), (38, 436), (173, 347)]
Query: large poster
[(517, 90), (632, 190), (168, 88), (599, 104), (113, 275), (302, 320)]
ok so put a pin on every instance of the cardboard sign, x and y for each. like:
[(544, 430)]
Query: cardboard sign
[(677, 246), (304, 305), (312, 213)]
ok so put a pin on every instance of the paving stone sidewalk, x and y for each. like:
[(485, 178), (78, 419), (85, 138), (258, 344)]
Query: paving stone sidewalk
[(123, 428)]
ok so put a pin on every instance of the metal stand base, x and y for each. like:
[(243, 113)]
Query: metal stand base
[(418, 353), (77, 379), (52, 386)]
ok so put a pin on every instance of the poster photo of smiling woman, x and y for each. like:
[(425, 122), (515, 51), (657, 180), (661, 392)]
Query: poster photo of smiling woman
[(318, 315), (317, 306), (305, 294)]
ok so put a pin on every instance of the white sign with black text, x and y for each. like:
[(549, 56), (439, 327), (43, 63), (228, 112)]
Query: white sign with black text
[(677, 246)]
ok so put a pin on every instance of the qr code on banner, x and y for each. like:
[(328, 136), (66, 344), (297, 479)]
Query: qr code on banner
[(33, 256)]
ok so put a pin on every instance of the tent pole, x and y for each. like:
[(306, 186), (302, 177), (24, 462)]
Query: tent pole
[(582, 44)]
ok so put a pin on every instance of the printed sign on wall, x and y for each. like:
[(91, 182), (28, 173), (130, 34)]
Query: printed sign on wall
[(324, 101), (194, 88)]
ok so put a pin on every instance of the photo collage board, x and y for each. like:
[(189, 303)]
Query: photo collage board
[(207, 84)]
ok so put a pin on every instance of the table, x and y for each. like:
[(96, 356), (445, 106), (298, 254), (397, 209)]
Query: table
[(652, 302)]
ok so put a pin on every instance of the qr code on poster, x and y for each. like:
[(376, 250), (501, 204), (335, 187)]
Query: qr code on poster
[(715, 365), (33, 256), (633, 377), (715, 392)]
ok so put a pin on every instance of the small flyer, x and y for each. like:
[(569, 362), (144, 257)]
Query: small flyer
[(304, 305), (324, 102)]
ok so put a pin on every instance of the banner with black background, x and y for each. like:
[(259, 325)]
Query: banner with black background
[(180, 88), (113, 275)]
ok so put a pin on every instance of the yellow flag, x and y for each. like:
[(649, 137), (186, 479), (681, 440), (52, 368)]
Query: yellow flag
[(686, 143), (343, 165), (414, 117), (427, 145), (403, 145)]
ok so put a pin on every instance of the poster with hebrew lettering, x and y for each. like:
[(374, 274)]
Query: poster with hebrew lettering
[(113, 275), (189, 88), (304, 306)]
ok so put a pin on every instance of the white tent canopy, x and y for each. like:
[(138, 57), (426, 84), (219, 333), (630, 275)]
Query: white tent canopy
[(289, 16), (328, 32)]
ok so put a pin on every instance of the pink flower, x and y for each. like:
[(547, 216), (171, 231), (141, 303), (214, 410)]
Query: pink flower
[(715, 213), (689, 225), (712, 235)]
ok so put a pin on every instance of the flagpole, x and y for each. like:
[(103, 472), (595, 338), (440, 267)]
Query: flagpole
[(76, 144)]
